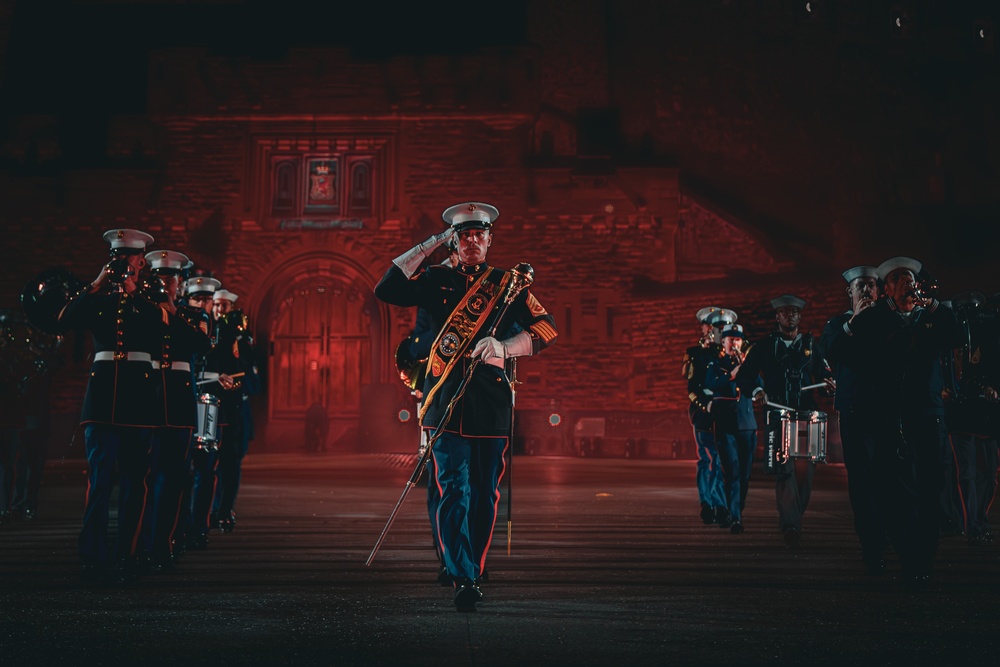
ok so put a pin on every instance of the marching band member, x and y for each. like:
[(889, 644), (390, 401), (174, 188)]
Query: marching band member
[(462, 300), (901, 340), (735, 426), (775, 370), (708, 474), (203, 458), (120, 409), (236, 344), (182, 338), (864, 460)]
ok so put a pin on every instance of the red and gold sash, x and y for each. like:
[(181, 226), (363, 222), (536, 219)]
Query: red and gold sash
[(462, 326)]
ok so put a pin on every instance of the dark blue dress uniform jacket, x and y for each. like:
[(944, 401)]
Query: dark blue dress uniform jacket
[(696, 361), (485, 409), (842, 351), (731, 410), (771, 358), (907, 353), (180, 342), (122, 393)]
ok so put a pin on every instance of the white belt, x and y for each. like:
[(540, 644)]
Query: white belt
[(208, 375), (494, 361), (108, 355), (175, 366)]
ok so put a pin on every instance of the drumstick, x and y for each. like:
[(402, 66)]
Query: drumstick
[(814, 386), (234, 375), (780, 406)]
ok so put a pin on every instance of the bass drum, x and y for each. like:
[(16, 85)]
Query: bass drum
[(44, 297)]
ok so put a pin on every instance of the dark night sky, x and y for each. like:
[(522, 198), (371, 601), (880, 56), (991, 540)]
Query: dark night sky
[(90, 56)]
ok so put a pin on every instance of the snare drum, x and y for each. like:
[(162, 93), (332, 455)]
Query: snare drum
[(803, 435), (206, 435)]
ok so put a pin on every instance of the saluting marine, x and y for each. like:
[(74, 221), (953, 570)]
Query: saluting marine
[(462, 300)]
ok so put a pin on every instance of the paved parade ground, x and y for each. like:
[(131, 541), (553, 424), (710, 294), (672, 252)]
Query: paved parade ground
[(610, 565)]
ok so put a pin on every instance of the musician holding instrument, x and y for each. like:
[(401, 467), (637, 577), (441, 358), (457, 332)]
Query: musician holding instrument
[(236, 343), (865, 461), (474, 413), (708, 473), (901, 340), (213, 371), (120, 409), (735, 427), (183, 335), (776, 372)]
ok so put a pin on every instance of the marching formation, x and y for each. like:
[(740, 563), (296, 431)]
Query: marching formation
[(164, 408), (914, 383)]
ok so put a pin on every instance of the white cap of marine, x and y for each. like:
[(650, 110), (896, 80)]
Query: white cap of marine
[(166, 261), (201, 285), (224, 294), (470, 215), (127, 239)]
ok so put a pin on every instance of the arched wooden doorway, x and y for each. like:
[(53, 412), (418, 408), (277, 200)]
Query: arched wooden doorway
[(321, 337)]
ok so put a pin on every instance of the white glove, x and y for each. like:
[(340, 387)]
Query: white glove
[(489, 348), (515, 346), (409, 262)]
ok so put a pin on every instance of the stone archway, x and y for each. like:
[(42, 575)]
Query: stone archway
[(323, 340)]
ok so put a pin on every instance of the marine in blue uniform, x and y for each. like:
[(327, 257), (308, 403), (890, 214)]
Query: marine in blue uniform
[(865, 460), (902, 339), (775, 370), (236, 343), (212, 372), (182, 337), (708, 474), (120, 409), (735, 425), (481, 418)]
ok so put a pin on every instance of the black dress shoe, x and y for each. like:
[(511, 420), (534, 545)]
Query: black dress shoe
[(723, 517), (736, 528), (707, 514), (28, 515), (792, 536), (467, 594), (5, 516)]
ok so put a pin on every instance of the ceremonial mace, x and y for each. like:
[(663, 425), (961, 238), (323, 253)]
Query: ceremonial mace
[(522, 276)]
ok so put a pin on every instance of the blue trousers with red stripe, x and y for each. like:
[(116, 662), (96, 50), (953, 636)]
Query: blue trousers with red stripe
[(468, 479)]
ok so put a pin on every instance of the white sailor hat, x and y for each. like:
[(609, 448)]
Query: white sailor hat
[(201, 285), (787, 300), (733, 330), (470, 215), (224, 294), (716, 315), (890, 265), (850, 275), (127, 240), (166, 261)]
